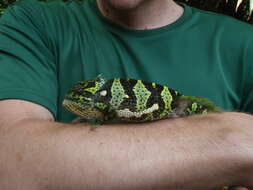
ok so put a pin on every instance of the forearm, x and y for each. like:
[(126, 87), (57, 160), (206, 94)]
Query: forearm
[(185, 153)]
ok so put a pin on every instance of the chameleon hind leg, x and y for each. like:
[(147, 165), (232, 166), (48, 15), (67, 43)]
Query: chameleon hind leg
[(78, 120)]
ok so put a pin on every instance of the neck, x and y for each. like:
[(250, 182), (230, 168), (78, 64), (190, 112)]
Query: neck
[(150, 14)]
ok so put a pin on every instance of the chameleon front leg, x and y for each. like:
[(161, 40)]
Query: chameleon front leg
[(77, 120), (93, 124)]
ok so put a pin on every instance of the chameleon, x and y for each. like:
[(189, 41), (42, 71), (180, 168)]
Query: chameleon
[(131, 100)]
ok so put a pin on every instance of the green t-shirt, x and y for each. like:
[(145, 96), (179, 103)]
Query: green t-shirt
[(47, 47)]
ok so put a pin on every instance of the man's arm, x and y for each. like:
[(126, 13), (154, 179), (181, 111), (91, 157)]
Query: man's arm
[(198, 152)]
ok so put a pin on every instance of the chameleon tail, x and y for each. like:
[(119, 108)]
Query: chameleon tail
[(189, 105)]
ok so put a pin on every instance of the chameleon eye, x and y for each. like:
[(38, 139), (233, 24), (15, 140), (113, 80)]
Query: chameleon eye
[(103, 93)]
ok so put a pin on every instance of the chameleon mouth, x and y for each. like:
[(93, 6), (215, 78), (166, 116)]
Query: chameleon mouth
[(86, 112)]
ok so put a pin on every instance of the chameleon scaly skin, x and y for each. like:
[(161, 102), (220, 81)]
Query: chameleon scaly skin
[(79, 99), (130, 100)]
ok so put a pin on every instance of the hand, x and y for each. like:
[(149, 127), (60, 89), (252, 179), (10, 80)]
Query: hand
[(237, 188)]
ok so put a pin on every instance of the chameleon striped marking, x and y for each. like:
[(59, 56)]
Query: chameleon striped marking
[(130, 100), (126, 113), (167, 98), (87, 112), (193, 108), (84, 89), (117, 93), (95, 86), (142, 95)]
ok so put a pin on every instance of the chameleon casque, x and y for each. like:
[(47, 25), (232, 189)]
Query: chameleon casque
[(130, 100)]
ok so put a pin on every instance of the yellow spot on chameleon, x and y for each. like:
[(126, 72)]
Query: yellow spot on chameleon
[(94, 89), (118, 93), (194, 106), (142, 94), (127, 113), (167, 98), (91, 90)]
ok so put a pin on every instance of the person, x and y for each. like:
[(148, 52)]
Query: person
[(45, 48)]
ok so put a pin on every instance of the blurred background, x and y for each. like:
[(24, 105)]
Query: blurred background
[(240, 9)]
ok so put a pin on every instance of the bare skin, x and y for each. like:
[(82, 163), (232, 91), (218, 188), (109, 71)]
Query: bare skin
[(198, 152), (141, 14)]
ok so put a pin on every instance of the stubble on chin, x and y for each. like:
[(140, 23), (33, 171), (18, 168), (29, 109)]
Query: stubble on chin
[(122, 5)]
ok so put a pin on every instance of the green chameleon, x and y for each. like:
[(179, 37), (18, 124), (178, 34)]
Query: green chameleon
[(130, 100)]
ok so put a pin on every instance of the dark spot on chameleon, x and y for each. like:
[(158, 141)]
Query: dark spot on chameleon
[(156, 113), (143, 117)]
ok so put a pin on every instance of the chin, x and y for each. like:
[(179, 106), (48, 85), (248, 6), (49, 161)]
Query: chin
[(123, 4)]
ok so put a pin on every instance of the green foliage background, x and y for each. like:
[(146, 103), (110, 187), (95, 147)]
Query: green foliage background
[(228, 7), (4, 4)]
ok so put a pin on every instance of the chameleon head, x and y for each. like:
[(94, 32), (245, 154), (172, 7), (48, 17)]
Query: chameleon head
[(80, 99)]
